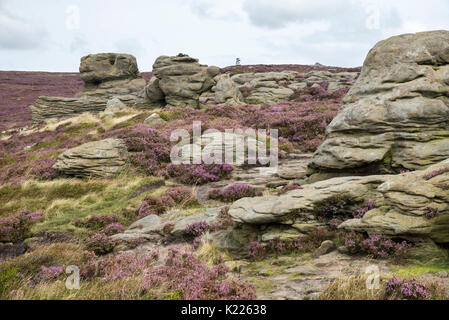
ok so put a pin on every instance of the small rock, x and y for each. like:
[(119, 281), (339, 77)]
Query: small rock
[(442, 274), (325, 248), (154, 119)]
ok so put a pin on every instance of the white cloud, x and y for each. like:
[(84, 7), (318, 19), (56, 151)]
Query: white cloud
[(18, 33)]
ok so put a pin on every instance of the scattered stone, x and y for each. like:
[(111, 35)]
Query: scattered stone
[(178, 220), (325, 248), (154, 119), (113, 106), (94, 159)]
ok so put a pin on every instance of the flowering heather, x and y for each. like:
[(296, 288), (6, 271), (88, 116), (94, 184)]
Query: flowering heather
[(377, 246), (367, 206), (256, 251), (154, 205), (18, 227), (19, 90), (435, 173), (114, 228), (182, 195), (197, 229), (118, 266), (151, 148), (430, 212), (97, 221), (46, 274), (100, 243), (408, 289), (198, 174), (195, 280), (233, 193)]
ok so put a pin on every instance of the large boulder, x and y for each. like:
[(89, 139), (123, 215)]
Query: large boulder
[(94, 159), (106, 76), (102, 67), (181, 79), (413, 205), (396, 116)]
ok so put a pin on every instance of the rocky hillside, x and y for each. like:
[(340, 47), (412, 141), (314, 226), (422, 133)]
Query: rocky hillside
[(88, 179)]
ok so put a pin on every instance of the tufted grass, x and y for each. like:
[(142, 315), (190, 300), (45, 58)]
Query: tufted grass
[(63, 201)]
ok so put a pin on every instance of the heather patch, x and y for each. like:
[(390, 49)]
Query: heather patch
[(234, 192), (435, 173), (18, 227), (198, 174), (277, 247), (412, 289), (431, 212), (377, 246), (97, 222), (195, 280), (100, 244)]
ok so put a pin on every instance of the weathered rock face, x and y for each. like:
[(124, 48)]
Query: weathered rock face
[(269, 87), (402, 202), (97, 68), (94, 159), (227, 92), (56, 107), (396, 115), (106, 76), (181, 79)]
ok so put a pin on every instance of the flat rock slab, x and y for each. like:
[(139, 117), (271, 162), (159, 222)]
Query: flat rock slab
[(94, 159)]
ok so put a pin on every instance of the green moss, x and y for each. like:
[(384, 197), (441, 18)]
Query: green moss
[(48, 155), (263, 285), (172, 115), (46, 144), (414, 270), (77, 129)]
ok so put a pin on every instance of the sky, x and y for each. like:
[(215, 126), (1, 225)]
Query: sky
[(52, 35)]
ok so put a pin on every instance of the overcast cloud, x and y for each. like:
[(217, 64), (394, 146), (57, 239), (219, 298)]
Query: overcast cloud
[(52, 35)]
